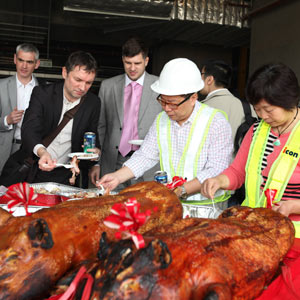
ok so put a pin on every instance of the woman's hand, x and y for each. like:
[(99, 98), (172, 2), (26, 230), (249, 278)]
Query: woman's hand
[(211, 185), (287, 207)]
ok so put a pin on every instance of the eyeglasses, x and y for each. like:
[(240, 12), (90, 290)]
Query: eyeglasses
[(171, 105)]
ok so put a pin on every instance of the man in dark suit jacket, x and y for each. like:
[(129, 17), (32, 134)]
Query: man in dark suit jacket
[(15, 94), (47, 105), (113, 118)]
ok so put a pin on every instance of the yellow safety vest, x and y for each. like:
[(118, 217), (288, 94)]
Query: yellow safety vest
[(188, 163), (280, 172)]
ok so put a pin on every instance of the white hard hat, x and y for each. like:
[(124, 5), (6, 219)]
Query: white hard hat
[(179, 76)]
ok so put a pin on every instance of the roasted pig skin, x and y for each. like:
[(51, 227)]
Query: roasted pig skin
[(36, 250), (233, 257)]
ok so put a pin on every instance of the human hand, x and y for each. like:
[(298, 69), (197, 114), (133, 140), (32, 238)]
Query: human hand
[(210, 186), (96, 151), (46, 163), (94, 174), (287, 207), (15, 116), (109, 181)]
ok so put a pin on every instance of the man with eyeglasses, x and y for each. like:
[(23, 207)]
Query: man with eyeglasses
[(15, 92), (188, 138)]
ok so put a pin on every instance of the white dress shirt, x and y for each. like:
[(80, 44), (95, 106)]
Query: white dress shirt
[(140, 81), (23, 98), (61, 145)]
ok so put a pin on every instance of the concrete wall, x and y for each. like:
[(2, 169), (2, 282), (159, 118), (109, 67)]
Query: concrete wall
[(275, 36)]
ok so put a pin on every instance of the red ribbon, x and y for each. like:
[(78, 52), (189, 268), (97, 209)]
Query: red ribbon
[(270, 194), (176, 181), (19, 194), (70, 293), (127, 219)]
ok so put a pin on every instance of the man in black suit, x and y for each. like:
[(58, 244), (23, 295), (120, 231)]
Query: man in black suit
[(47, 106)]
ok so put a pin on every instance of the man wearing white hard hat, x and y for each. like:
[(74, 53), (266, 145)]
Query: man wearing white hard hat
[(189, 139)]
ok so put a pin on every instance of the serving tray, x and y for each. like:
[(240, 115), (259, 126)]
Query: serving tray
[(52, 193)]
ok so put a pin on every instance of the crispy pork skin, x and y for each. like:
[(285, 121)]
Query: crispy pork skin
[(35, 251), (232, 257)]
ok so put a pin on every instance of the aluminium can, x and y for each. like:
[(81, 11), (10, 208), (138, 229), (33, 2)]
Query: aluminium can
[(161, 177), (89, 141)]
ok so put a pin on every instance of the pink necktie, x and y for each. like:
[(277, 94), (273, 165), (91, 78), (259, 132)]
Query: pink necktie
[(132, 97)]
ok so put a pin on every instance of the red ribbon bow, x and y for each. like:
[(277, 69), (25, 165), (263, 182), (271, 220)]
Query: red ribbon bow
[(270, 194), (70, 293), (19, 194), (127, 219), (176, 181)]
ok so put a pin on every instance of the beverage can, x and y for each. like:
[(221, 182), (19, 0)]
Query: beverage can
[(89, 141), (161, 177)]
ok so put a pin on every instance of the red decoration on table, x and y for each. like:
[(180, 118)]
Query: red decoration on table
[(127, 219), (70, 293), (270, 194), (19, 194), (176, 181)]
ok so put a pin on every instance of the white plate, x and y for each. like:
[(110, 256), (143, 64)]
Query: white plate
[(83, 155), (136, 142)]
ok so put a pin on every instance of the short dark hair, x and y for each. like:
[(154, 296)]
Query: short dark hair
[(134, 46), (276, 83), (28, 48), (220, 70), (82, 59)]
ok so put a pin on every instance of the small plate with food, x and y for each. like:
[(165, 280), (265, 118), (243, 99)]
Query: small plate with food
[(83, 155)]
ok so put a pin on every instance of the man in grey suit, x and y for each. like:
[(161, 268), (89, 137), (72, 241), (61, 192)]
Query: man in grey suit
[(122, 120), (15, 92), (216, 75)]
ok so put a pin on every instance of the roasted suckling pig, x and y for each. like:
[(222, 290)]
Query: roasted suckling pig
[(36, 250), (233, 257)]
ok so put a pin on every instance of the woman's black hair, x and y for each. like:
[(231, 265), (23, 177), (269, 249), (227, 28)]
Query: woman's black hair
[(276, 83)]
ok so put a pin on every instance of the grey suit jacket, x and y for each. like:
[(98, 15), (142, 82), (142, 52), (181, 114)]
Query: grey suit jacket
[(111, 95), (8, 101), (231, 105)]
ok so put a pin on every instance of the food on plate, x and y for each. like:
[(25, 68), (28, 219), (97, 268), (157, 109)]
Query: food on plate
[(35, 251), (84, 155), (84, 195), (232, 257), (75, 170), (43, 190)]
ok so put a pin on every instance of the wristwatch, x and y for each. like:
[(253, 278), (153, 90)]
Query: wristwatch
[(183, 193)]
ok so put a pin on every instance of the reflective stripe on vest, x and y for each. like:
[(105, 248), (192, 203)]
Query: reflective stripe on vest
[(297, 229), (188, 163), (253, 165), (280, 172)]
